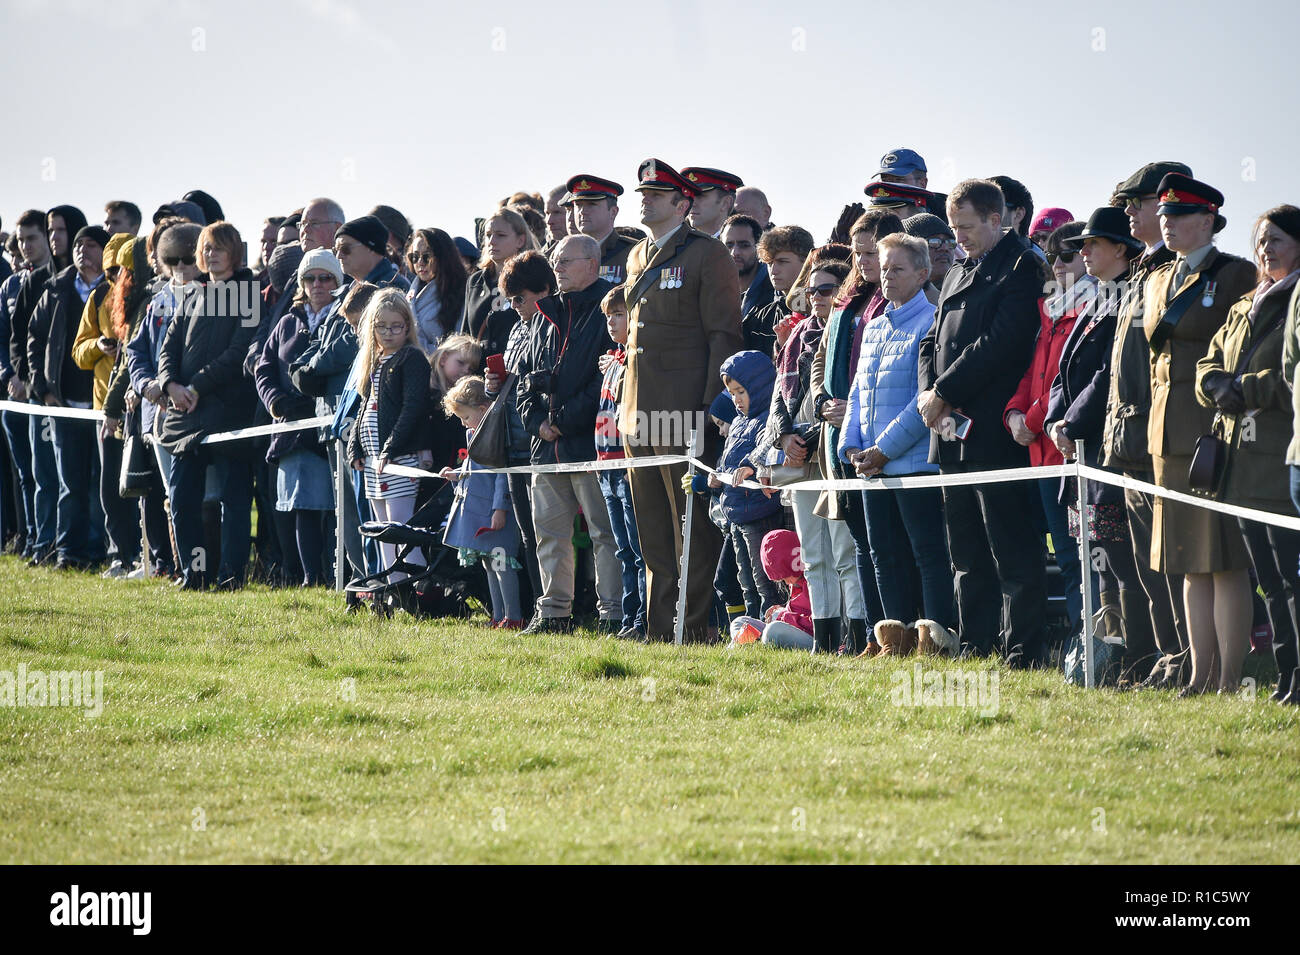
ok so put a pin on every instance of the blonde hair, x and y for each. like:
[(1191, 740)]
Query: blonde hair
[(221, 235), (463, 346), (469, 392), (517, 224), (385, 300)]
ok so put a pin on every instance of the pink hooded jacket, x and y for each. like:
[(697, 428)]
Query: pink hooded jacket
[(781, 559)]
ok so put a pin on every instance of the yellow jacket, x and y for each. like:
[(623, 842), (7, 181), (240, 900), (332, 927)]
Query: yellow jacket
[(96, 321)]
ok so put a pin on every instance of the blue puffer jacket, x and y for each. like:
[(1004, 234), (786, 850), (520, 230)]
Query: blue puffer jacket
[(756, 373), (882, 402)]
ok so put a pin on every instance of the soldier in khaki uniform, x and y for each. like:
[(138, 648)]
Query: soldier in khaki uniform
[(594, 203), (1187, 302), (683, 298)]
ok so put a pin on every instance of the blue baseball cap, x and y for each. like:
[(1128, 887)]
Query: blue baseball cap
[(465, 247), (901, 162)]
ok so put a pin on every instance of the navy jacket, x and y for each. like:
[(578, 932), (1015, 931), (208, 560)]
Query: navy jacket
[(756, 374), (979, 347), (1081, 390)]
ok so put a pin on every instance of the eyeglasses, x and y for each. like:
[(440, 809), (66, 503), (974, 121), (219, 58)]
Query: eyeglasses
[(304, 225), (391, 329), (937, 243), (557, 263), (174, 260), (516, 300), (416, 258), (319, 278), (826, 289), (1065, 257)]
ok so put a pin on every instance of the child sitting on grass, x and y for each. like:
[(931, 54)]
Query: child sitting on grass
[(480, 525), (789, 627)]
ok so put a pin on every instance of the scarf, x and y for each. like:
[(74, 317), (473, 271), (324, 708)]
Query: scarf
[(805, 338), (1268, 289)]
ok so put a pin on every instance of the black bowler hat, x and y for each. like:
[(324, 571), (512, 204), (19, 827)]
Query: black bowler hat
[(657, 175), (585, 186), (1146, 180), (1108, 222)]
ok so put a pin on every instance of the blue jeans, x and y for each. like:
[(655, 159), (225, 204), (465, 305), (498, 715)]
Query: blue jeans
[(45, 475), (20, 448), (234, 480), (79, 524), (747, 539), (1066, 548), (917, 515), (622, 524)]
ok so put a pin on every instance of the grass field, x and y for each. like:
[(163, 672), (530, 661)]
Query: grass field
[(272, 727)]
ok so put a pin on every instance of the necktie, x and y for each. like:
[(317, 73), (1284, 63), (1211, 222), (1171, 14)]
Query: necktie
[(1180, 274)]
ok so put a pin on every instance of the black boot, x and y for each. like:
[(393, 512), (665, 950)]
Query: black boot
[(1293, 694), (826, 635), (858, 636), (1284, 683)]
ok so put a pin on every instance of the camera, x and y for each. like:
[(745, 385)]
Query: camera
[(539, 382)]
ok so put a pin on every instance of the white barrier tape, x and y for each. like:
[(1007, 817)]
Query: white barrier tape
[(1234, 510), (265, 429), (47, 411), (926, 480), (609, 464), (90, 414), (965, 478)]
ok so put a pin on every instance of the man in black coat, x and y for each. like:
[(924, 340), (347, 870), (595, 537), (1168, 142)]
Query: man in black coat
[(970, 363), (559, 393), (57, 381)]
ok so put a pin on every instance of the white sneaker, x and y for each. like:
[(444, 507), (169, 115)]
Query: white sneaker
[(115, 570), (140, 573)]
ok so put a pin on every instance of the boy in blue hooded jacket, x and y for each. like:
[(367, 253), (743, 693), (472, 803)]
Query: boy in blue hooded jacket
[(748, 376)]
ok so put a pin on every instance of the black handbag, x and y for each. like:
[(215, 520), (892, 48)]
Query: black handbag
[(136, 476), (1208, 460), (490, 446)]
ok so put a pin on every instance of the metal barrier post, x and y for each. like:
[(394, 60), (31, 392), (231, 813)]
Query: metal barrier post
[(1085, 565), (684, 570)]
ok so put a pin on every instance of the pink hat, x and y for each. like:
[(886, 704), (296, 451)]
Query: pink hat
[(1049, 219)]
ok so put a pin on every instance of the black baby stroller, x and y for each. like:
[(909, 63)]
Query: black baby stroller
[(441, 587)]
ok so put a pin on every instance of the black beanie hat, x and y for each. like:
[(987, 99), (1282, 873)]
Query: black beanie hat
[(367, 230), (96, 232), (211, 208)]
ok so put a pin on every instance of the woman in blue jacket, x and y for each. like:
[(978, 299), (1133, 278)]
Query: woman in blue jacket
[(883, 433)]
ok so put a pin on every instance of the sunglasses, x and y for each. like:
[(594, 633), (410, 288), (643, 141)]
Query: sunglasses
[(1065, 257), (175, 260), (826, 289), (318, 279), (516, 300), (941, 243), (416, 258), (344, 248)]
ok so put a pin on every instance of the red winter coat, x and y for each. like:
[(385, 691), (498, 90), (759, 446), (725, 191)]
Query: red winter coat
[(1035, 391), (780, 554)]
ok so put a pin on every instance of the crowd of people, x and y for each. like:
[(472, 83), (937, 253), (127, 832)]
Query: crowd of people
[(929, 334)]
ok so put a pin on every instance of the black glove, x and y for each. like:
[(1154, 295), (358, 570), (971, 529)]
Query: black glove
[(1225, 391)]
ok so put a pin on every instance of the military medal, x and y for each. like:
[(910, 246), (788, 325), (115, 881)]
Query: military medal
[(1208, 298)]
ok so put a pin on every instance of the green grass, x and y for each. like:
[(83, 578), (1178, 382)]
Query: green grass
[(273, 727)]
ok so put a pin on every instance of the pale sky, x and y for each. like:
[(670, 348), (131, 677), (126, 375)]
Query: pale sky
[(442, 109)]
